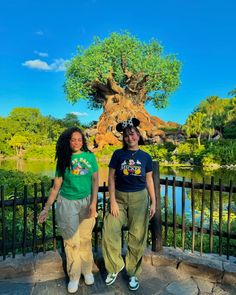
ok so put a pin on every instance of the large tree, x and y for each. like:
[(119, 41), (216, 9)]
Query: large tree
[(120, 74)]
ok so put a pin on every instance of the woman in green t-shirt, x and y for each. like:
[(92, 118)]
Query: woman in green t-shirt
[(75, 188)]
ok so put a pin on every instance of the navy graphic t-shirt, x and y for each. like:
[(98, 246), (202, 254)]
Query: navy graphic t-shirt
[(131, 168)]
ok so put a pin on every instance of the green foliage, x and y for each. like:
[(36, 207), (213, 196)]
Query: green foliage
[(15, 182), (103, 156), (209, 160), (189, 152), (224, 151), (40, 152), (229, 129), (27, 134), (15, 179), (118, 55), (71, 120), (220, 116), (197, 124), (158, 152)]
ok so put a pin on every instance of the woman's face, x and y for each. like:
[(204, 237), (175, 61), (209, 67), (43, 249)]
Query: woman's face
[(131, 138), (76, 142)]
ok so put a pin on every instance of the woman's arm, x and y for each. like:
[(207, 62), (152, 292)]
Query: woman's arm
[(114, 210), (151, 192), (93, 204), (52, 197)]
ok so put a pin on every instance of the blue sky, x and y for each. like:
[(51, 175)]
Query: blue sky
[(37, 37)]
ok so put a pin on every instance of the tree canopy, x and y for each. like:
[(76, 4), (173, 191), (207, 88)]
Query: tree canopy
[(122, 64), (26, 132)]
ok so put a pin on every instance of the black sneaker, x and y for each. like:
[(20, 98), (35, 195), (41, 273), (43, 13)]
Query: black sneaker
[(133, 283)]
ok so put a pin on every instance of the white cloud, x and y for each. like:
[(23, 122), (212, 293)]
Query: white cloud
[(79, 114), (42, 54), (57, 66), (37, 64), (40, 33)]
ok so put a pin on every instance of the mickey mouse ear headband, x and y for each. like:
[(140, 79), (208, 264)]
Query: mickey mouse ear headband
[(132, 122)]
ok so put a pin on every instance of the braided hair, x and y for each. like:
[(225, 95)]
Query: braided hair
[(63, 149)]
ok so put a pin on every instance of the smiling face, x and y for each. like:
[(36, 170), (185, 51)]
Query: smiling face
[(76, 142), (131, 138)]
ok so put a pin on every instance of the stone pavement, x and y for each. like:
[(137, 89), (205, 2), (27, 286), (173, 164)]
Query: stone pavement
[(170, 271)]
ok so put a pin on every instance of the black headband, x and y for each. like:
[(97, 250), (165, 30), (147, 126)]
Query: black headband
[(132, 122)]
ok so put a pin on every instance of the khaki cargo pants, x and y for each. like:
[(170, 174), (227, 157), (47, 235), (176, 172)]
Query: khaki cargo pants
[(133, 212), (76, 229)]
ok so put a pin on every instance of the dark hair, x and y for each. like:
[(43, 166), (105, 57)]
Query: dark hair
[(126, 131), (63, 150)]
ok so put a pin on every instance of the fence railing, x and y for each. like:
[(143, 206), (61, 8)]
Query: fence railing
[(209, 225)]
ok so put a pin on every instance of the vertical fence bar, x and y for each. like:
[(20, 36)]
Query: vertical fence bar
[(122, 238), (193, 214), (104, 199), (54, 221), (202, 215), (166, 211), (174, 210), (54, 227), (183, 214), (25, 219), (156, 221), (14, 225), (220, 216), (211, 214), (96, 230), (43, 225), (229, 213), (35, 218), (3, 224)]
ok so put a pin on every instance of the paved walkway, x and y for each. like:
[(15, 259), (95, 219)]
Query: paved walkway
[(164, 278)]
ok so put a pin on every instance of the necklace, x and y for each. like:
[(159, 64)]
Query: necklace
[(133, 153)]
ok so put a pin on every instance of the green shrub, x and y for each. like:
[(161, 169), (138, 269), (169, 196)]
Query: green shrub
[(40, 152)]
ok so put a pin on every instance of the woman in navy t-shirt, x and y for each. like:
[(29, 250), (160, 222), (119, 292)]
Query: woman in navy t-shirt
[(130, 186)]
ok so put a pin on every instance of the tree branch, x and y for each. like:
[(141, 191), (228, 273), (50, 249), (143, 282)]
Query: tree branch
[(113, 85)]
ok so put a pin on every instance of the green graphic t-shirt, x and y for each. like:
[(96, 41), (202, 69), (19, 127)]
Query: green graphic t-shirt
[(77, 181)]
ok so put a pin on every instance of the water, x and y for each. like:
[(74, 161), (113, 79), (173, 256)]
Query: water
[(196, 173)]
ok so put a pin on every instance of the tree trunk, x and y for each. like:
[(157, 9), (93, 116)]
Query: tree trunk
[(119, 108), (199, 139)]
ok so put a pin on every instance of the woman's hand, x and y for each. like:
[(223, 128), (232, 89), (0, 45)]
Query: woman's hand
[(152, 210), (114, 208), (43, 215), (92, 210)]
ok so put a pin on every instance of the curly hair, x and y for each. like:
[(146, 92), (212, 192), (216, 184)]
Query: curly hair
[(63, 150)]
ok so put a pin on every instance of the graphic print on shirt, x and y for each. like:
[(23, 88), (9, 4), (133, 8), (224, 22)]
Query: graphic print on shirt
[(131, 167), (80, 166)]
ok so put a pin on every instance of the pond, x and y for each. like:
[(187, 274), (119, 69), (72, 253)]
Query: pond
[(196, 173)]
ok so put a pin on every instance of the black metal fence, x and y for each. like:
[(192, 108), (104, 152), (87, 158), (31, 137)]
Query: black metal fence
[(200, 230)]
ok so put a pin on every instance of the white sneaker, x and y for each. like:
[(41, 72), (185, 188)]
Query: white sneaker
[(111, 277), (133, 283), (73, 286), (89, 279)]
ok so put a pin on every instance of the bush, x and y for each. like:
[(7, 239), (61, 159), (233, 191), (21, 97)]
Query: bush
[(209, 160), (224, 151), (40, 152), (157, 152)]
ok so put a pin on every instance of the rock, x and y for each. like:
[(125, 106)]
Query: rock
[(186, 287)]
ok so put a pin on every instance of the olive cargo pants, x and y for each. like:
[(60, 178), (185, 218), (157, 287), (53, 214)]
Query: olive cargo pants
[(133, 211)]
